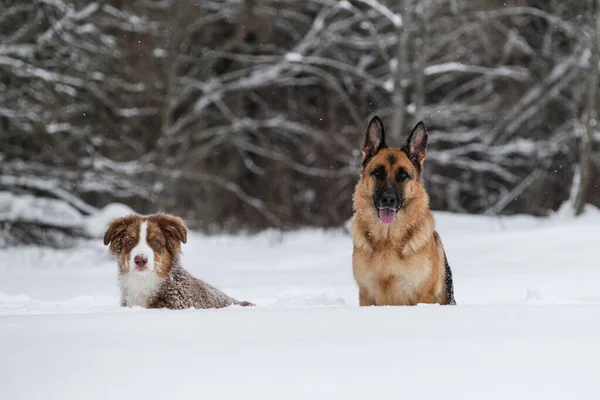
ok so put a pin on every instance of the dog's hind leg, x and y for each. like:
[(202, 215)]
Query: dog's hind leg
[(449, 283)]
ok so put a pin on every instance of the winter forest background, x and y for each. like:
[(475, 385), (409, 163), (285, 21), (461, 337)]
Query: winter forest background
[(240, 115)]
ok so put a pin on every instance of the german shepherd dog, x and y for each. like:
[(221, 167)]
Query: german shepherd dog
[(398, 257)]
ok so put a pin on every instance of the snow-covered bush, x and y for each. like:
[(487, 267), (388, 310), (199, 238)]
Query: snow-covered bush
[(95, 224), (27, 219)]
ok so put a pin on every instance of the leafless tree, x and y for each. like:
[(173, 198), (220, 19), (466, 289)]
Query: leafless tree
[(248, 114)]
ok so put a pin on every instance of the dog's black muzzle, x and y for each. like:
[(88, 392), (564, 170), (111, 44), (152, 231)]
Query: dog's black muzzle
[(388, 198)]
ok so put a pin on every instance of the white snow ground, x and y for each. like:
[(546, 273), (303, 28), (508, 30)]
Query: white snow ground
[(527, 324)]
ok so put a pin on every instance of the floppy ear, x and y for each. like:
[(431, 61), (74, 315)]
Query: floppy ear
[(173, 228), (116, 230), (416, 145), (374, 139)]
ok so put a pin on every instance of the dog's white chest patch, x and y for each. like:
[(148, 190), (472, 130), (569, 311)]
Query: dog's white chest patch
[(138, 287)]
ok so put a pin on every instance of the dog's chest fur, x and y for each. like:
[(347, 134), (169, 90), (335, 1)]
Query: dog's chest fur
[(386, 275), (137, 289), (397, 269)]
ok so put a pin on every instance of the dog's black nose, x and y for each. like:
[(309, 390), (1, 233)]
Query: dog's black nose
[(388, 199)]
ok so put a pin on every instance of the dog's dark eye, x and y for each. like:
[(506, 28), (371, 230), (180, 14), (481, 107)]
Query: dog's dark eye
[(379, 173), (130, 241), (155, 241), (402, 175)]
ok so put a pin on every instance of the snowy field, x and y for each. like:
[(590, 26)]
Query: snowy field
[(527, 323)]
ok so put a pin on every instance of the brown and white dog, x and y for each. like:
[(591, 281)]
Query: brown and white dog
[(150, 274)]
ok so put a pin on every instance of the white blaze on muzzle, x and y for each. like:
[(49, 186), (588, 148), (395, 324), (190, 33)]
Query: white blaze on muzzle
[(142, 249)]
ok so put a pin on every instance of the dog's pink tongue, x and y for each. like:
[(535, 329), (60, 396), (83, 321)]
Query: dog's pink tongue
[(386, 215)]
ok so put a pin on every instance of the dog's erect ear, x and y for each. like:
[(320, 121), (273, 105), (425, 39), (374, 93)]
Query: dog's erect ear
[(416, 145), (116, 230), (173, 228), (374, 139)]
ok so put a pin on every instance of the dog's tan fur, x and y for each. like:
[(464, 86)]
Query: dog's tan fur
[(402, 263)]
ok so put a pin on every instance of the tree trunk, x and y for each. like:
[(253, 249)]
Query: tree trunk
[(401, 74), (420, 24), (585, 147)]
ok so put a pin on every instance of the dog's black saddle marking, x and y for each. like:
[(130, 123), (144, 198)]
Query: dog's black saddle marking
[(449, 283)]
